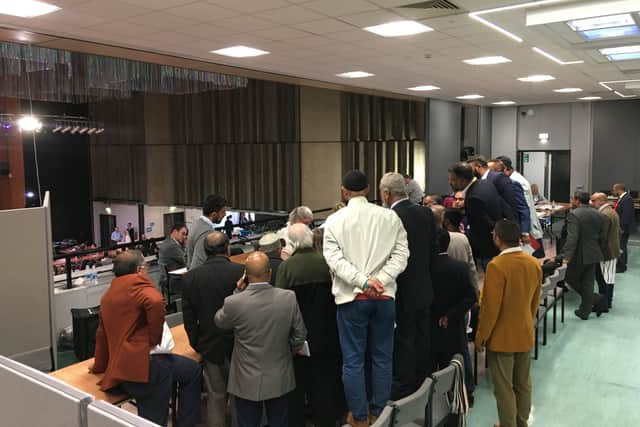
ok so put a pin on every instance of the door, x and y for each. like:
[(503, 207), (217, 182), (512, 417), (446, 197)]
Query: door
[(550, 170), (170, 219), (107, 224)]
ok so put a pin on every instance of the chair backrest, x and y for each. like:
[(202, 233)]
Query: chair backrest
[(562, 272), (414, 406), (102, 414), (547, 285), (443, 380), (174, 319), (386, 417), (554, 279)]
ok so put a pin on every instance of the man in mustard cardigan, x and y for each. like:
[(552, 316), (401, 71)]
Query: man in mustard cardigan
[(510, 301)]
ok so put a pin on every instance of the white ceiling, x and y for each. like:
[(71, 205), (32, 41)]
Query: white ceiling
[(316, 39)]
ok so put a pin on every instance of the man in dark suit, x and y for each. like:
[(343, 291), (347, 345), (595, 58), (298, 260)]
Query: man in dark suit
[(510, 191), (318, 379), (582, 252), (204, 290), (413, 298), (453, 296), (171, 254), (626, 212), (483, 207)]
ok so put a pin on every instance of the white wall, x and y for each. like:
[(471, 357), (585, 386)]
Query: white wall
[(533, 169), (504, 132), (124, 213)]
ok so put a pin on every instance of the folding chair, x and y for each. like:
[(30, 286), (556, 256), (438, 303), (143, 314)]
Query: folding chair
[(411, 411), (440, 406)]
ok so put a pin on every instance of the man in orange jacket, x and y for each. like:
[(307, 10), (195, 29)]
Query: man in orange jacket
[(511, 297), (130, 329)]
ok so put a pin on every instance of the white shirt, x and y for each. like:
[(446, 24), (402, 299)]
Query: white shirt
[(464, 192), (536, 228), (511, 250), (485, 175), (208, 221), (363, 241)]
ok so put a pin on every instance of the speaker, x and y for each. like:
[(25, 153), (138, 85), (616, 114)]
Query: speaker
[(85, 325)]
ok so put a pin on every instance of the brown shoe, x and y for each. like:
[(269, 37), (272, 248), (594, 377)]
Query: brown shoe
[(355, 423)]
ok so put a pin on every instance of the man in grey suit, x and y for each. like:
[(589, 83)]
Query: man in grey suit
[(171, 255), (213, 211), (582, 252), (268, 329)]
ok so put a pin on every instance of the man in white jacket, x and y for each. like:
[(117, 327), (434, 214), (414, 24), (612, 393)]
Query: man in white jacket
[(366, 249)]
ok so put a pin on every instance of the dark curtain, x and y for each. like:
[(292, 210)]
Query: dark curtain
[(379, 135), (243, 144)]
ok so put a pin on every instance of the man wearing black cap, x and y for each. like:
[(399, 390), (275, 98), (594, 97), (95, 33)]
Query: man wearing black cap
[(366, 249)]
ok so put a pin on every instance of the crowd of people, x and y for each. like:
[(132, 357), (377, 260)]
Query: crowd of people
[(328, 325)]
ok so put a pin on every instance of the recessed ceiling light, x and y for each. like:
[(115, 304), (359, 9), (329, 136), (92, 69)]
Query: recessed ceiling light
[(568, 90), (471, 96), (536, 78), (398, 29), (26, 8), (240, 52), (554, 59), (601, 22), (487, 60), (607, 33), (621, 49), (355, 74), (504, 103), (590, 98), (423, 88), (622, 95)]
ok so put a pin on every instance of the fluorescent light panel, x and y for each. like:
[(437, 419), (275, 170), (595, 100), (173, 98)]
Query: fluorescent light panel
[(355, 74), (398, 29), (600, 22), (621, 95), (471, 96), (577, 11), (590, 98), (240, 52), (568, 90), (423, 88), (622, 53), (536, 78), (504, 103), (487, 60), (553, 58), (607, 33), (26, 8)]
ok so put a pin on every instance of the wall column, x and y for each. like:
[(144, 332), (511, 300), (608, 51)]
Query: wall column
[(12, 188)]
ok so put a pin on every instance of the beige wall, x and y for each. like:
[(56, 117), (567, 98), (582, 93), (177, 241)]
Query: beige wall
[(321, 152)]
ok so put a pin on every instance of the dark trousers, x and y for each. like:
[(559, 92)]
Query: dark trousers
[(622, 260), (153, 396), (318, 383), (604, 288), (581, 277), (250, 412), (412, 352)]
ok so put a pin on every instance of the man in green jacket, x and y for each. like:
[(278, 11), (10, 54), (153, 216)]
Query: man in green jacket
[(317, 375)]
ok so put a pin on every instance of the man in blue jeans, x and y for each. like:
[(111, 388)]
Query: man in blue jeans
[(366, 249)]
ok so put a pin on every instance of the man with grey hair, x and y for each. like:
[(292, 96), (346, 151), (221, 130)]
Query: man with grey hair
[(317, 377), (413, 189), (412, 348), (271, 245), (299, 215)]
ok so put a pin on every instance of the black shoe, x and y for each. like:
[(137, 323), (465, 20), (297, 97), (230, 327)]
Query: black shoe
[(471, 400), (581, 315)]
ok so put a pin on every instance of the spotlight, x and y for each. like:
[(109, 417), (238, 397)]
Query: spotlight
[(6, 125), (83, 130), (75, 129), (99, 131), (108, 210), (30, 195), (56, 129), (29, 123), (91, 131)]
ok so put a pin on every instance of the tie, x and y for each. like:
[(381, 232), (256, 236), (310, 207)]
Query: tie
[(616, 204)]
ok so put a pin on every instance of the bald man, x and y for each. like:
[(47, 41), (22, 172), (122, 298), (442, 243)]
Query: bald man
[(606, 272), (269, 330)]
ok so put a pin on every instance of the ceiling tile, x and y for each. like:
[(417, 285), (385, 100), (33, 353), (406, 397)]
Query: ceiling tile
[(64, 20), (340, 7), (291, 15), (324, 26), (201, 11), (161, 21), (108, 9), (245, 23), (310, 41), (281, 33), (370, 18), (250, 6), (157, 4), (123, 28), (170, 38)]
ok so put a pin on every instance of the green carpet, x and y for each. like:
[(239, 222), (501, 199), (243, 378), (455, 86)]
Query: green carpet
[(588, 374)]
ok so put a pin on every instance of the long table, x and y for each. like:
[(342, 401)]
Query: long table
[(78, 375), (545, 210)]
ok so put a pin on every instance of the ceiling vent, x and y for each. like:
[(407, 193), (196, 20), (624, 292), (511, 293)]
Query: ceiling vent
[(434, 8)]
